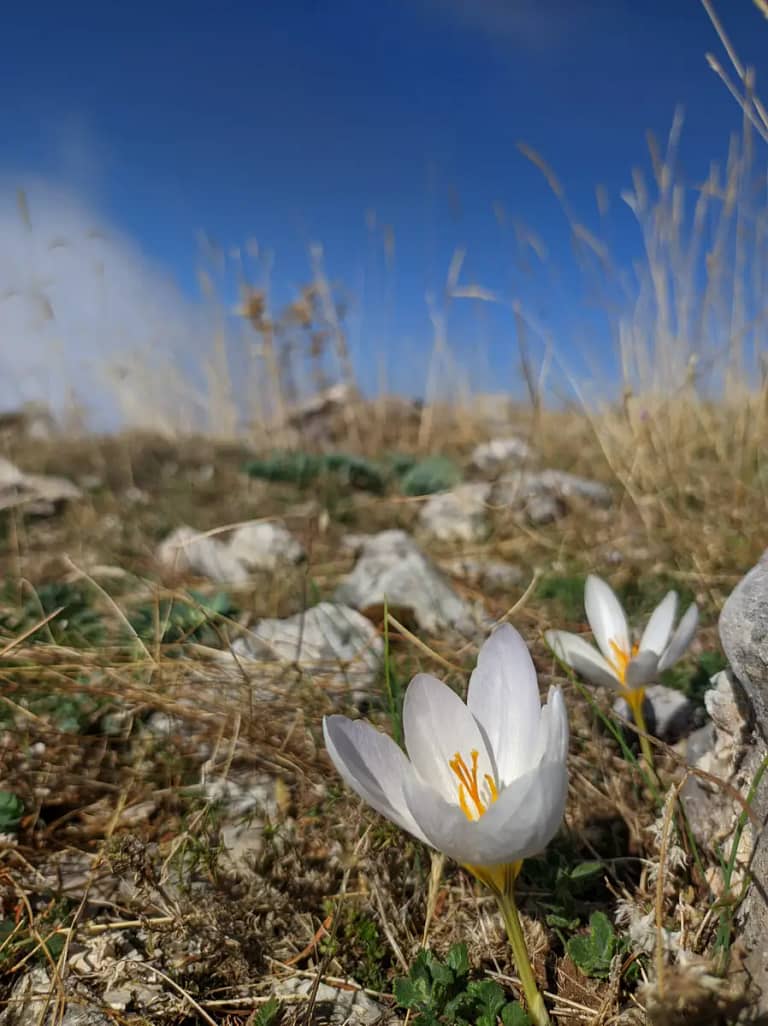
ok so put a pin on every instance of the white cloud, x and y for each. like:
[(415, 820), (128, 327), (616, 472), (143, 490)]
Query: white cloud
[(534, 25), (77, 300)]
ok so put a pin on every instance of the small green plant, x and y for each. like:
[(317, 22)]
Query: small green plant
[(565, 592), (564, 885), (441, 992), (593, 952), (268, 1014), (298, 468), (11, 811), (44, 944), (303, 469), (400, 463), (78, 625), (355, 472), (358, 937), (694, 682), (178, 620), (435, 474)]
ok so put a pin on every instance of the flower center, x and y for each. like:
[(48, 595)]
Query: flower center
[(621, 658), (470, 785)]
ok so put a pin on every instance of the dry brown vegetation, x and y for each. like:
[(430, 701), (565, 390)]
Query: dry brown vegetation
[(119, 747)]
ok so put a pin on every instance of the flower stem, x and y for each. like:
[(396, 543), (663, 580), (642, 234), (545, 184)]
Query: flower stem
[(637, 697), (536, 1008)]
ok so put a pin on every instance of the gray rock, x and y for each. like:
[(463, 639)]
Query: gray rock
[(492, 575), (337, 1006), (544, 509), (719, 753), (319, 417), (254, 794), (570, 486), (460, 515), (262, 545), (32, 420), (114, 958), (242, 806), (500, 454), (744, 636), (731, 752), (668, 714), (517, 489), (118, 998), (34, 1001), (330, 642), (10, 475), (265, 545), (699, 743), (187, 550), (242, 844), (38, 494), (391, 566), (331, 399), (674, 714)]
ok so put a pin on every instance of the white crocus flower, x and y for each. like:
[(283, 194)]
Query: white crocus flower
[(484, 782), (619, 663)]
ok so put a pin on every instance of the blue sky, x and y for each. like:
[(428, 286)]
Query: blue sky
[(288, 123)]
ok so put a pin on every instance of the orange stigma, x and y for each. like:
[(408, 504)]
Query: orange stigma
[(469, 785), (621, 659)]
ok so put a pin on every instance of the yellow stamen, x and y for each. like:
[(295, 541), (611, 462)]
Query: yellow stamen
[(621, 658), (469, 785)]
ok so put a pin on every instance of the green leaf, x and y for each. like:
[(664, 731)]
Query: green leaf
[(513, 1014), (586, 870), (297, 468), (603, 937), (458, 1008), (490, 998), (458, 959), (558, 922), (11, 811), (441, 974), (592, 952), (408, 994), (267, 1014), (434, 474), (356, 472), (54, 945)]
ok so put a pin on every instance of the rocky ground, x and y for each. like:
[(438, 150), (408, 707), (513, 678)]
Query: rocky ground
[(177, 616)]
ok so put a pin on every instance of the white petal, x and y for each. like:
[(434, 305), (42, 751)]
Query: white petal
[(582, 657), (682, 637), (373, 766), (504, 698), (656, 634), (520, 823), (642, 670), (606, 617), (557, 714), (438, 726)]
